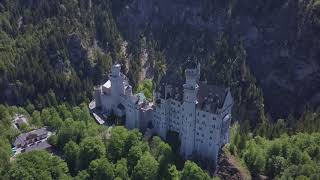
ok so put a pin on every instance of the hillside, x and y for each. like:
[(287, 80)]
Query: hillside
[(76, 42), (53, 53), (51, 50), (281, 39)]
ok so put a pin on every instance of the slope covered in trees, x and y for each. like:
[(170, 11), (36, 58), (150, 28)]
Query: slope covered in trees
[(285, 157), (88, 151), (55, 50)]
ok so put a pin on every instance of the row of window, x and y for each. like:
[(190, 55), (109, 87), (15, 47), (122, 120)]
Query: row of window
[(203, 136), (203, 115)]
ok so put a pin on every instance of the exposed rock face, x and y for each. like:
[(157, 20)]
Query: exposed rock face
[(282, 42), (229, 171), (228, 168)]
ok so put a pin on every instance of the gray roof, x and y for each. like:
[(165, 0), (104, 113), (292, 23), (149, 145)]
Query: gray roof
[(23, 137), (175, 82), (39, 146), (210, 97)]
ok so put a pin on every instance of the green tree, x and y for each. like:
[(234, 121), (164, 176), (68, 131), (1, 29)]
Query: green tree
[(254, 159), (295, 156), (275, 165), (134, 156), (191, 171), (36, 119), (101, 169), (146, 87), (5, 153), (121, 170), (91, 149), (82, 175), (77, 113), (71, 130), (71, 153), (85, 114), (116, 147), (146, 168), (64, 111), (134, 138), (173, 173), (163, 153), (38, 165)]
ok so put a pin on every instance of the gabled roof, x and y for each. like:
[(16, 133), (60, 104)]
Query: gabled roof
[(107, 84), (38, 146), (22, 138), (210, 97)]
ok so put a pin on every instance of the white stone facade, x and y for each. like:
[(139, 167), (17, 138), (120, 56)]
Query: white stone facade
[(200, 113)]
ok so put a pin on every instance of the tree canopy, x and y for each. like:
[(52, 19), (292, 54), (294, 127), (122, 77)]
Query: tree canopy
[(38, 165)]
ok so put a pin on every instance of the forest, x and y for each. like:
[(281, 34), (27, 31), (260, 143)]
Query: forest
[(52, 54), (84, 150)]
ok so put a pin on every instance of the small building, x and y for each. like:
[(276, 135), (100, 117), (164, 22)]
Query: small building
[(33, 140), (19, 120)]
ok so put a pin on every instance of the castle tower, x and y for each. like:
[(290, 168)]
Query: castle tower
[(190, 90), (117, 87)]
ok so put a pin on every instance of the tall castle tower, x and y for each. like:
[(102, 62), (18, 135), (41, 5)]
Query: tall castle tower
[(117, 87), (190, 91)]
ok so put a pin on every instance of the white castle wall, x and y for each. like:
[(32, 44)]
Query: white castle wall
[(200, 132)]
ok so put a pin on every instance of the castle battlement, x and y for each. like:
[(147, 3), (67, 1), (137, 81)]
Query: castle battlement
[(199, 112)]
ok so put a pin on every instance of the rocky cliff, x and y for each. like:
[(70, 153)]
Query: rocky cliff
[(230, 168)]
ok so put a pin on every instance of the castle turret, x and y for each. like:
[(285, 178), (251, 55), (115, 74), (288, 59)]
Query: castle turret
[(115, 71), (129, 91), (190, 90), (117, 82)]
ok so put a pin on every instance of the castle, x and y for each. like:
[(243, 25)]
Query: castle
[(199, 112)]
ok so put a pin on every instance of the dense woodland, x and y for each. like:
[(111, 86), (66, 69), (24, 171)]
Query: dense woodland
[(285, 157), (52, 53)]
